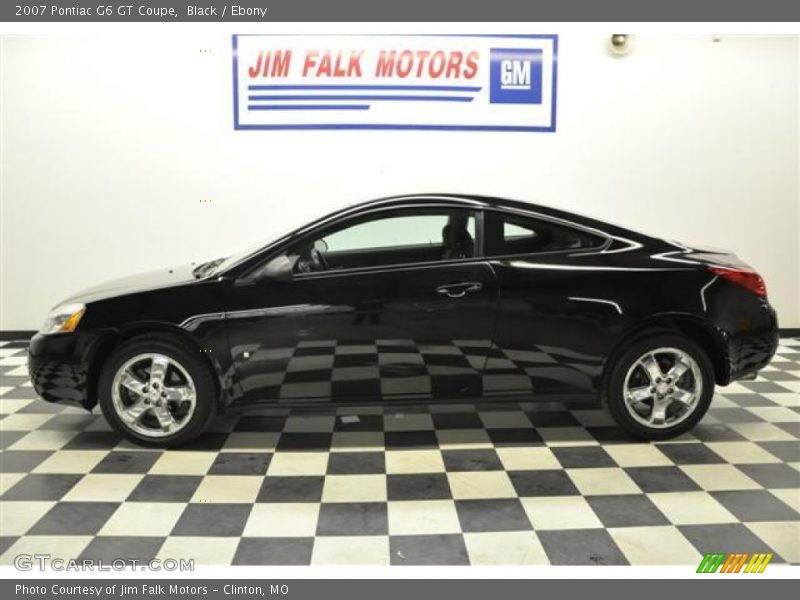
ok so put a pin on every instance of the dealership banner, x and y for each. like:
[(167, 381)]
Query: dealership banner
[(435, 82)]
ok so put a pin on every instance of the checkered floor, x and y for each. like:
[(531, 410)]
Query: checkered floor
[(511, 483)]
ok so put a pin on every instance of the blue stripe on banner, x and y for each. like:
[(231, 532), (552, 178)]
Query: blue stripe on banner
[(363, 97), (309, 107), (418, 88)]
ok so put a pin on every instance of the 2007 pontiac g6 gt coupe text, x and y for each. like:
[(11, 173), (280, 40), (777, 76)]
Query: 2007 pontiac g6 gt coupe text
[(434, 297)]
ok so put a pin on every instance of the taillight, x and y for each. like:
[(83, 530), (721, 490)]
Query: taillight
[(746, 278)]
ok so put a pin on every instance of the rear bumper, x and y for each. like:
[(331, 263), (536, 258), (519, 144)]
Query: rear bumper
[(751, 350), (59, 368)]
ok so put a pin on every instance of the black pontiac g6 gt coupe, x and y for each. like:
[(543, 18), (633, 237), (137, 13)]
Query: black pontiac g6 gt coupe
[(434, 297)]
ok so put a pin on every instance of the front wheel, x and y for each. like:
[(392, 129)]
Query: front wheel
[(660, 387), (157, 391)]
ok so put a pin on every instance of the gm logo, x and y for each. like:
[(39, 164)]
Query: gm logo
[(515, 76)]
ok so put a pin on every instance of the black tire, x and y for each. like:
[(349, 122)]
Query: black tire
[(189, 358), (615, 400)]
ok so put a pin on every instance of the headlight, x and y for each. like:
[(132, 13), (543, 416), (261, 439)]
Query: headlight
[(63, 319)]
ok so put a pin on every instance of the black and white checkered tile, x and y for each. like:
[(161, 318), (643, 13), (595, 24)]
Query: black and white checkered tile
[(489, 483)]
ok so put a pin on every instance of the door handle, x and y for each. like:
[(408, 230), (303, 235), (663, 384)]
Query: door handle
[(459, 290)]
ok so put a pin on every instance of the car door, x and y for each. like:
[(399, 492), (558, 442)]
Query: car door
[(396, 303), (556, 302)]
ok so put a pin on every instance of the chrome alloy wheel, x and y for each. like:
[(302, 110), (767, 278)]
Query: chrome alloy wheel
[(153, 395), (663, 387)]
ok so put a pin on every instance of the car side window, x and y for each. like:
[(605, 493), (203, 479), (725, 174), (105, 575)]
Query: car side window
[(389, 238), (508, 234)]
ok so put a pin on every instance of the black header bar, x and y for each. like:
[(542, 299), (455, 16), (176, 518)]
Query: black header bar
[(399, 10)]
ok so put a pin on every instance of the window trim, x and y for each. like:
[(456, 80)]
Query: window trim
[(245, 265), (388, 268), (480, 254)]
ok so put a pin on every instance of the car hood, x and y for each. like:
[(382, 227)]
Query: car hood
[(142, 282)]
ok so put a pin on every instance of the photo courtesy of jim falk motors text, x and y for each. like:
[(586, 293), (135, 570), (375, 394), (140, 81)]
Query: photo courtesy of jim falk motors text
[(333, 295), (124, 590)]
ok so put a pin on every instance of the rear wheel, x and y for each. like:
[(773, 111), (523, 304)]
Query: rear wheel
[(157, 391), (660, 387)]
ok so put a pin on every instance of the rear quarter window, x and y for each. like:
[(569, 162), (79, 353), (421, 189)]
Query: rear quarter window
[(515, 234)]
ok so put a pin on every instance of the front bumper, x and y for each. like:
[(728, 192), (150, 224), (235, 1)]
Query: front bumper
[(59, 368)]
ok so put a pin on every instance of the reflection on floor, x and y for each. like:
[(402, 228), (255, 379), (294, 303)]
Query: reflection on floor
[(468, 484)]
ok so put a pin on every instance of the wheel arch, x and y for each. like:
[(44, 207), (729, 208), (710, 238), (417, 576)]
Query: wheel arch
[(694, 328), (111, 341)]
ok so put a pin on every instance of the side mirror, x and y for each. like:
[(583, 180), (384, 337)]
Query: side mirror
[(280, 268), (321, 245)]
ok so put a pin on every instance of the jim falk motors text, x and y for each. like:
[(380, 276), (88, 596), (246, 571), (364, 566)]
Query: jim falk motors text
[(436, 64), (159, 589)]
